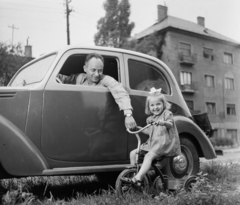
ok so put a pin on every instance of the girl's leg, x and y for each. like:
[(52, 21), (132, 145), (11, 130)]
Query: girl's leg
[(133, 157), (146, 165)]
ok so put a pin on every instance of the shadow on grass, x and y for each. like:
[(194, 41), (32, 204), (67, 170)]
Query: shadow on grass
[(60, 187), (67, 191)]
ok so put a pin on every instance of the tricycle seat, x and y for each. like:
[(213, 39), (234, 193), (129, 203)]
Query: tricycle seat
[(142, 154)]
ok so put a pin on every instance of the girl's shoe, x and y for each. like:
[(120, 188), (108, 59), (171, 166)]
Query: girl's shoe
[(132, 181)]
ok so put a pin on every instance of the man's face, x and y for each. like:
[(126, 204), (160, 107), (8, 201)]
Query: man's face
[(94, 70)]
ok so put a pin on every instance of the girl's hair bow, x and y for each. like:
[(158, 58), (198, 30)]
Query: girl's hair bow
[(155, 91)]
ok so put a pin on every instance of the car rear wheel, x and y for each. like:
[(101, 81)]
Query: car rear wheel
[(185, 165)]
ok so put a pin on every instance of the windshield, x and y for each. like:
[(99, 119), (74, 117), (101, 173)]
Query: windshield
[(33, 73)]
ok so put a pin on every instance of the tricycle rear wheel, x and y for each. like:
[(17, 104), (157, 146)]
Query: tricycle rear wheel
[(189, 183)]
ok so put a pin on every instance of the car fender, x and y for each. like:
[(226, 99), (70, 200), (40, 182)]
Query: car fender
[(186, 125), (18, 155)]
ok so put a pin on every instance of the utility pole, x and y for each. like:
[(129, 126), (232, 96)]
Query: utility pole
[(13, 27), (68, 11)]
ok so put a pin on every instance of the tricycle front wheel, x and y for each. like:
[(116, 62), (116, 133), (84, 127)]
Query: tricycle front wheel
[(123, 188)]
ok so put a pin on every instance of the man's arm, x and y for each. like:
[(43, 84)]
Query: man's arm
[(68, 79), (122, 98)]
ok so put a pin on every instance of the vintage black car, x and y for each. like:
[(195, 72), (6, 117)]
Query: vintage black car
[(51, 128)]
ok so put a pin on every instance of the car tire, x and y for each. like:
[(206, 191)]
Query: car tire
[(189, 164)]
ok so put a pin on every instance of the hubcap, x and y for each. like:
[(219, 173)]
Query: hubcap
[(180, 163), (183, 164)]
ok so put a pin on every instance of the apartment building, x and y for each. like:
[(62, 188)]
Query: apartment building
[(206, 65)]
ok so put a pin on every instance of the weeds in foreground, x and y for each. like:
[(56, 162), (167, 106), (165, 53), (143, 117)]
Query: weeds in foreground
[(216, 184), (203, 191), (225, 174)]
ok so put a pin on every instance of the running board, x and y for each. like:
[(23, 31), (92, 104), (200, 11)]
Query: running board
[(84, 170)]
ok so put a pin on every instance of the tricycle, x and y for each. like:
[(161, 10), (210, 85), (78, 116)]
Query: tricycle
[(154, 179)]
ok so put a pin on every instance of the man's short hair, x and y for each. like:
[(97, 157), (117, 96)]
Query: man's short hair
[(93, 55)]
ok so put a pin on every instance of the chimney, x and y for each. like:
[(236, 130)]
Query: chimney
[(162, 12), (201, 21), (28, 50)]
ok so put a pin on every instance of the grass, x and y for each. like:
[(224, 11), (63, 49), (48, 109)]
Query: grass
[(216, 184), (221, 173)]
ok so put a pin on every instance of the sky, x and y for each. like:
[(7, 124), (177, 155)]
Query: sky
[(42, 23)]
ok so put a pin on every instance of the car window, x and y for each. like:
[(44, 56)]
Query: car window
[(143, 76), (74, 65), (33, 73)]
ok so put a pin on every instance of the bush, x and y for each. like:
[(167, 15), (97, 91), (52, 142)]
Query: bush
[(221, 141)]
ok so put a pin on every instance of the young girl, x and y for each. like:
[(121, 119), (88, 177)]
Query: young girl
[(163, 136)]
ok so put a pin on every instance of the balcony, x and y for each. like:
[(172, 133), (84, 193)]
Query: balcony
[(187, 59), (188, 89)]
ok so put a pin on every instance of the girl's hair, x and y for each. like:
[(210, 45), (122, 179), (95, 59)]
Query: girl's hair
[(166, 104)]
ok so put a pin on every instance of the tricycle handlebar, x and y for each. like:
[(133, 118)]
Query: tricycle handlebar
[(138, 138), (140, 130)]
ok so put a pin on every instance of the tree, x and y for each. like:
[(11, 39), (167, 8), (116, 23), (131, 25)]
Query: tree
[(11, 59), (114, 29), (151, 45)]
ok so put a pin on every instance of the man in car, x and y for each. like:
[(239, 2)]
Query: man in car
[(94, 76)]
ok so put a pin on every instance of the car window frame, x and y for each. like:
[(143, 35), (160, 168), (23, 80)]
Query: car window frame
[(30, 64), (53, 84), (145, 60)]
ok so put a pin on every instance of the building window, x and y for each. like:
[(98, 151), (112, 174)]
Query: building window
[(231, 109), (209, 81), (190, 104), (185, 49), (185, 78), (211, 108), (229, 83), (232, 134), (228, 58), (208, 53), (215, 133)]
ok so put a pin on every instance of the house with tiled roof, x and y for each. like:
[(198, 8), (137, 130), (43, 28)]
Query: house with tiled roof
[(206, 65)]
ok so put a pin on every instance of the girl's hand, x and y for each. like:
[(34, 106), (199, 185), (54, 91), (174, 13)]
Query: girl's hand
[(161, 122), (167, 124), (149, 121)]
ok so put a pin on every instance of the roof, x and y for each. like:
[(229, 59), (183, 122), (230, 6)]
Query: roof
[(185, 25)]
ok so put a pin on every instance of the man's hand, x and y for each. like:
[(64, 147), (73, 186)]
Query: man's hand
[(130, 123)]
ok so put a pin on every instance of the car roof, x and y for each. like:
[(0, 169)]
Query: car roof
[(64, 49), (102, 48)]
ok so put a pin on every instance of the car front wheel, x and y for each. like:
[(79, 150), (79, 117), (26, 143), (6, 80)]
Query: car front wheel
[(185, 165)]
